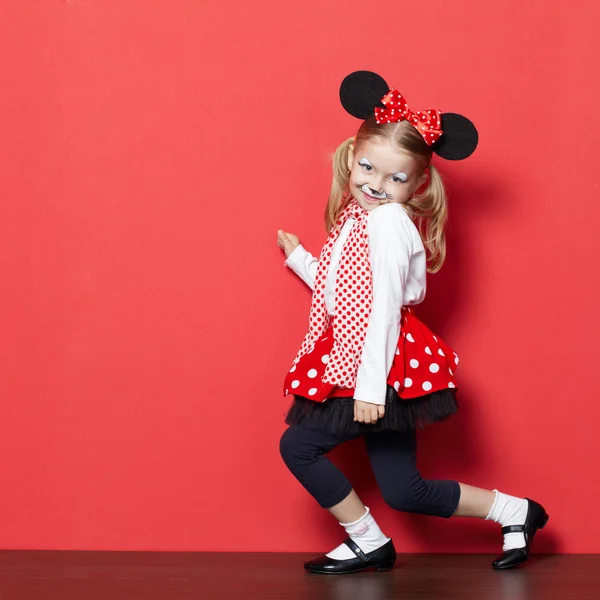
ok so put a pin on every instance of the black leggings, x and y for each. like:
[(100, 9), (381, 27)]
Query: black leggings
[(393, 460)]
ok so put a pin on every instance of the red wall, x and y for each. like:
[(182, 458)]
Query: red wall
[(150, 150)]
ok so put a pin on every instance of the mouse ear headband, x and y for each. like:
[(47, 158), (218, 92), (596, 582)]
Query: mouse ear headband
[(450, 135)]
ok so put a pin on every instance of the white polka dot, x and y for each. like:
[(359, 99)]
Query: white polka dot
[(408, 382), (451, 385), (434, 368), (295, 383), (397, 351), (312, 391), (414, 363), (312, 373), (396, 385), (293, 369), (450, 371), (287, 392), (311, 349), (410, 338), (435, 338), (441, 352), (427, 386), (427, 349), (325, 358), (456, 359)]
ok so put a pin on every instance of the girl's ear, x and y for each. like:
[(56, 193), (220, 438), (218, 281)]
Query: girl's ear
[(350, 156), (420, 183)]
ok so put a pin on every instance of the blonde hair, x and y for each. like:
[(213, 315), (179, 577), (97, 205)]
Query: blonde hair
[(429, 209)]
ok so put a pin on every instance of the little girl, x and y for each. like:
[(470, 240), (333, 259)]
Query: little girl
[(367, 366)]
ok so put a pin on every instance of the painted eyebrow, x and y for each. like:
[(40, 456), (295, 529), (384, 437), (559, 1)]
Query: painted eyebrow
[(394, 174)]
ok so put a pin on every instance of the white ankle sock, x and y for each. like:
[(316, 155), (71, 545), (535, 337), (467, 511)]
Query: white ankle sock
[(509, 510), (366, 535)]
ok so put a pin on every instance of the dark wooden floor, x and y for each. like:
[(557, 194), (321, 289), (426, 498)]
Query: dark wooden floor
[(25, 575)]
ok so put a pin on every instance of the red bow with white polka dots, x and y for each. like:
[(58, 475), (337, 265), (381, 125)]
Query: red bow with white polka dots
[(427, 122)]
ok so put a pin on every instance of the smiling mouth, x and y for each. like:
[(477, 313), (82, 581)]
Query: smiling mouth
[(368, 192)]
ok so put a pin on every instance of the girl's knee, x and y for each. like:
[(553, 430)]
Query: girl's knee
[(406, 496), (287, 445), (297, 448), (401, 501), (291, 445)]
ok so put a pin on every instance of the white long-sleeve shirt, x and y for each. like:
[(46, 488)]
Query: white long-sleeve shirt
[(399, 272)]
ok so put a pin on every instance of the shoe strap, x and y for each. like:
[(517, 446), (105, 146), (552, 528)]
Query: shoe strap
[(356, 549), (516, 529)]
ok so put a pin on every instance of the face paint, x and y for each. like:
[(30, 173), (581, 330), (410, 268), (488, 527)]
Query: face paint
[(367, 190), (381, 173)]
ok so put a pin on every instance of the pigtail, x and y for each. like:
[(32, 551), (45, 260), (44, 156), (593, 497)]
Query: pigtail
[(429, 209), (338, 195)]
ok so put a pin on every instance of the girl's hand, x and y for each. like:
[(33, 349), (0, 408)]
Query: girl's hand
[(365, 412), (287, 241)]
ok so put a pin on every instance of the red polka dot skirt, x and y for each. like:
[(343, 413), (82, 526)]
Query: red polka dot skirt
[(423, 364)]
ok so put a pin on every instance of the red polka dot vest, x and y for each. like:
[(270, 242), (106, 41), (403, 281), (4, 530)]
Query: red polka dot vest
[(353, 296)]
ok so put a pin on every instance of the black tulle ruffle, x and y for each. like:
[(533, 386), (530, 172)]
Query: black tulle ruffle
[(336, 415)]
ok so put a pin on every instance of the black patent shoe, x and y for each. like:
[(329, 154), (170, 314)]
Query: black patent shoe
[(381, 559), (536, 519)]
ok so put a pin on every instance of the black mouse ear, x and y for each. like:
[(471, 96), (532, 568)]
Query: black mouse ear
[(361, 92), (459, 140)]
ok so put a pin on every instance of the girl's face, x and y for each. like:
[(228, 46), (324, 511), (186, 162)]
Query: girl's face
[(380, 173)]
